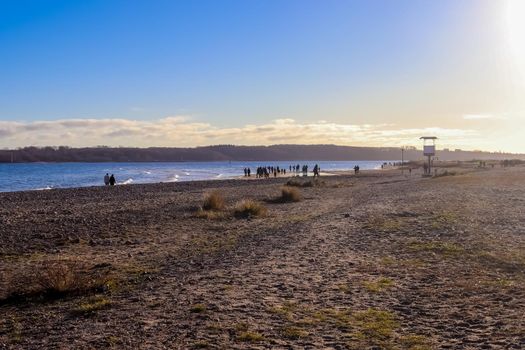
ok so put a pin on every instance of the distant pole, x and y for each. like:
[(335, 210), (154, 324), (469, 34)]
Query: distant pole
[(402, 160)]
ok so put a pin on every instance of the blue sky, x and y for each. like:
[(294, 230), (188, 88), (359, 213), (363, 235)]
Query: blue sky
[(223, 67)]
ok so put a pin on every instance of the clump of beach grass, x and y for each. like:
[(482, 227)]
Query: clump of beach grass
[(92, 305), (249, 208), (201, 344), (309, 183), (245, 334), (378, 285), (249, 336), (446, 173), (289, 194), (212, 206), (213, 201), (384, 224), (294, 332), (375, 326), (198, 308), (209, 214), (12, 328), (54, 279), (444, 248), (415, 342), (285, 310)]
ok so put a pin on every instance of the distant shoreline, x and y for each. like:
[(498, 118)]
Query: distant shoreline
[(31, 176), (233, 181), (47, 176)]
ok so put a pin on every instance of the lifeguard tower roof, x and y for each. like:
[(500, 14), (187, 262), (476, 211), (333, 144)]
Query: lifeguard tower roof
[(428, 138)]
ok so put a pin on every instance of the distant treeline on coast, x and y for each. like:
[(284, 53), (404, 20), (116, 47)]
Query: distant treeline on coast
[(234, 153)]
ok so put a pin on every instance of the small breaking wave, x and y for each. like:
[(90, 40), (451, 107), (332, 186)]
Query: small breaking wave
[(174, 178)]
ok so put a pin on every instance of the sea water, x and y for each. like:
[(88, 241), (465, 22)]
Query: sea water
[(42, 176)]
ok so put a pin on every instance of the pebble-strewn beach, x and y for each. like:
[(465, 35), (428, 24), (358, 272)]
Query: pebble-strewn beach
[(377, 261)]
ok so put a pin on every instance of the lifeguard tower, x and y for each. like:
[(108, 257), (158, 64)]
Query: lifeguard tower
[(429, 150)]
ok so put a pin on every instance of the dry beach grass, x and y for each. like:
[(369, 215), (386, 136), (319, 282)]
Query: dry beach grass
[(378, 261)]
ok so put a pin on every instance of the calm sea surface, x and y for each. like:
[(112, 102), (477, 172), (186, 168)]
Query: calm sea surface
[(41, 176)]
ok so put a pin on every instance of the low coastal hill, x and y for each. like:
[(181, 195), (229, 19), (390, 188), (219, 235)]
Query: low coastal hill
[(233, 153)]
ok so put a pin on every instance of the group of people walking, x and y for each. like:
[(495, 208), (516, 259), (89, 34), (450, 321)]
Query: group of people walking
[(268, 171), (109, 180)]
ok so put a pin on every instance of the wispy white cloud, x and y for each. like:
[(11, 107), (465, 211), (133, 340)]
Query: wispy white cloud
[(183, 131), (482, 117)]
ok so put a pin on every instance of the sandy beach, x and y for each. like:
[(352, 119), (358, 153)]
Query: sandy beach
[(375, 261)]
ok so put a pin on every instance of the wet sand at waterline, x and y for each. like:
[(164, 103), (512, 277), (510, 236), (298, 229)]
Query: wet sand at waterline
[(380, 261)]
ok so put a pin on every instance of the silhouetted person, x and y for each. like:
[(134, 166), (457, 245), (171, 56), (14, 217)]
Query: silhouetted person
[(112, 180), (106, 179), (316, 170)]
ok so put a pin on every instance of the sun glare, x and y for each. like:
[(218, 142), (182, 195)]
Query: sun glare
[(516, 33)]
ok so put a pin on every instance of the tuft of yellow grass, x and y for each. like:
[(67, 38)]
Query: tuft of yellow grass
[(212, 207), (378, 285), (201, 344), (209, 214), (444, 248), (92, 305), (290, 194), (249, 208), (52, 279), (294, 332), (250, 336), (198, 308), (299, 183), (416, 342), (375, 325), (213, 201)]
